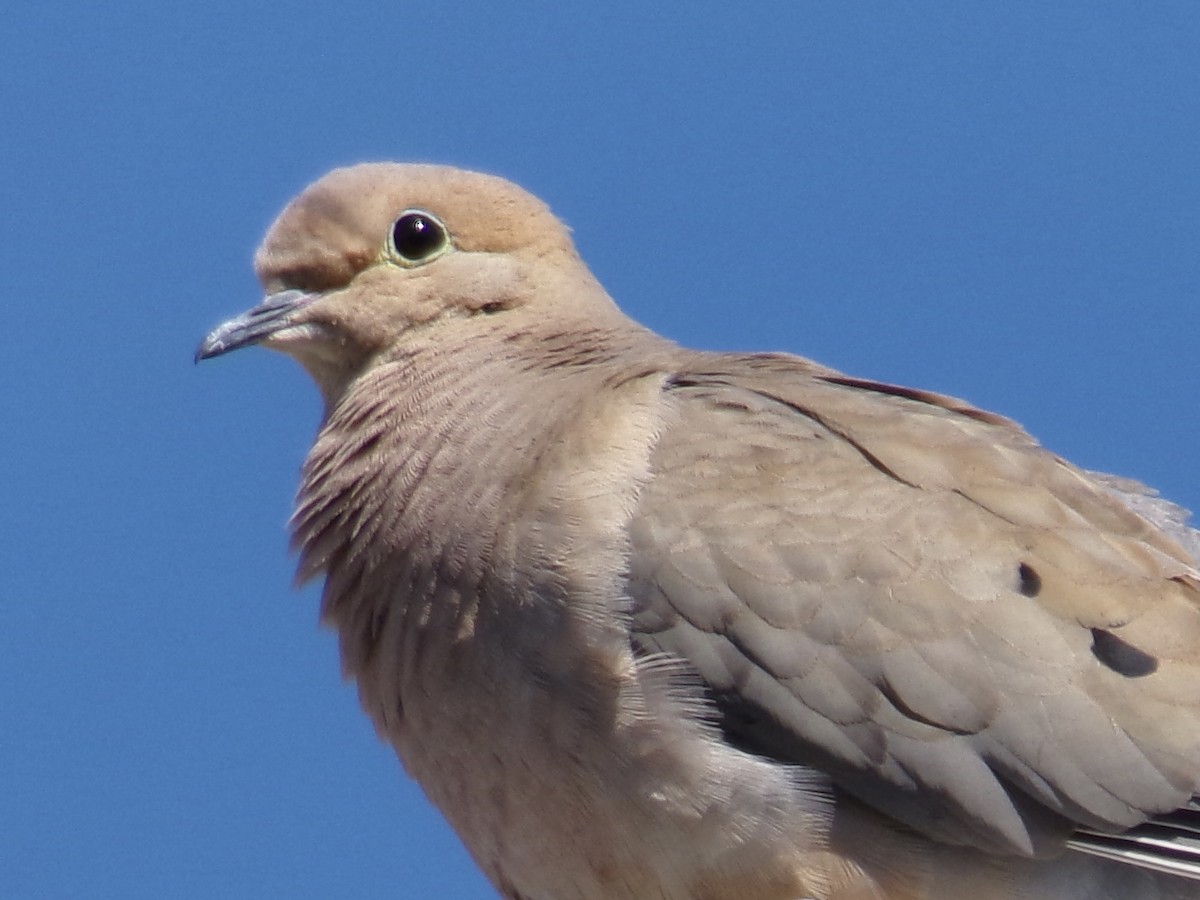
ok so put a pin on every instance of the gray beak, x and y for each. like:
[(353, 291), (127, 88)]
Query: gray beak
[(252, 326)]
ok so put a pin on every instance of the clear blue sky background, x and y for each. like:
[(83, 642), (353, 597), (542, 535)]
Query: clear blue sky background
[(999, 201)]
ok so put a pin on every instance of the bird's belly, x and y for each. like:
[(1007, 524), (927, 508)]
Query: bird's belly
[(550, 812)]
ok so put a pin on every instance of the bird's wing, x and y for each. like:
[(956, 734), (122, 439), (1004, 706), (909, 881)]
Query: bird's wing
[(965, 631)]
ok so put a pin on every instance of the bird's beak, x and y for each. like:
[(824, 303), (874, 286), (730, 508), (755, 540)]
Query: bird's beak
[(272, 315)]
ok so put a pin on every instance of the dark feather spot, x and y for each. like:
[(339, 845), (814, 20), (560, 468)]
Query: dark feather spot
[(1123, 658), (1030, 581)]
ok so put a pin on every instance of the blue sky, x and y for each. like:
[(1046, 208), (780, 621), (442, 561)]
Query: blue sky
[(999, 201)]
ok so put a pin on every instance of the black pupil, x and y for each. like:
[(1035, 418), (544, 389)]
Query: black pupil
[(416, 236)]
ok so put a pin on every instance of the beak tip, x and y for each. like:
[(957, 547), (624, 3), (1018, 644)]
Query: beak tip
[(211, 346)]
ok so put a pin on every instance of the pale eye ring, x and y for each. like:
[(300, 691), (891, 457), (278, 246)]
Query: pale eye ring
[(417, 237)]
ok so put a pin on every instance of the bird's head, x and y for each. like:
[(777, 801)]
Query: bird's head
[(376, 256)]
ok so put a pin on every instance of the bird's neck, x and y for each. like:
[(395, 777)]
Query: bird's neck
[(439, 475)]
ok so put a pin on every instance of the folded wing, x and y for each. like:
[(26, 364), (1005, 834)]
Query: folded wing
[(968, 633)]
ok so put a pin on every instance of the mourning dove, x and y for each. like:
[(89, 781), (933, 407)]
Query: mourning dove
[(646, 622)]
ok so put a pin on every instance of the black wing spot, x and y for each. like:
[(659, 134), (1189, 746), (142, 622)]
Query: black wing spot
[(1123, 658), (1030, 581)]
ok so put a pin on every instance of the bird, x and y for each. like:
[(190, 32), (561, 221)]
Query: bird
[(651, 622)]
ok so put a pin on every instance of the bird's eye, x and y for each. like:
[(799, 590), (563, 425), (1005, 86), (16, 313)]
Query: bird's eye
[(418, 237)]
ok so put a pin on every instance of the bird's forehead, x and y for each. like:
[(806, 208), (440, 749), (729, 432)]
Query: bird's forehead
[(340, 223)]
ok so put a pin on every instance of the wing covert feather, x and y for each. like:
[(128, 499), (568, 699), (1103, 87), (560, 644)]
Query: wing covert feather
[(967, 632)]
